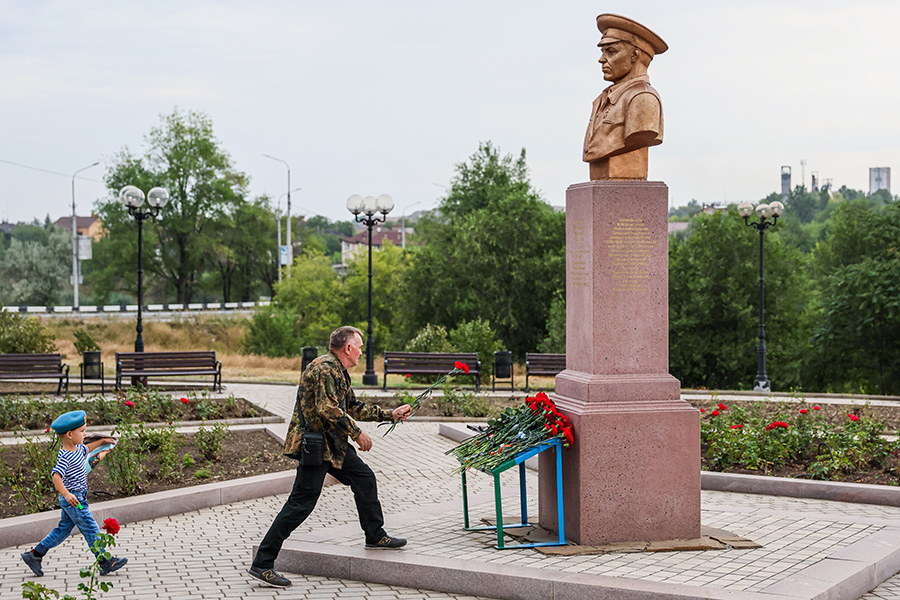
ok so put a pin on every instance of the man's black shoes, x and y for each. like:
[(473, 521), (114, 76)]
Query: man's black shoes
[(269, 577), (387, 542)]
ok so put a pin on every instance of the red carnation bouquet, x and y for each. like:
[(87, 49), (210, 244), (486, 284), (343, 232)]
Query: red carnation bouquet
[(458, 367), (516, 429)]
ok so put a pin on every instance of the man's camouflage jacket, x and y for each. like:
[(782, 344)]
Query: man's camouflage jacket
[(329, 406)]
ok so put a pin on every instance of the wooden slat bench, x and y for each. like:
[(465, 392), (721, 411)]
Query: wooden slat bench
[(168, 364), (35, 366), (537, 363), (430, 363)]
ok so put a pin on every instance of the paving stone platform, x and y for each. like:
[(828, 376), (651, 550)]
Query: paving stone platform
[(811, 548)]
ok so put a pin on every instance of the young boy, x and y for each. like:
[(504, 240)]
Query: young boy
[(70, 480)]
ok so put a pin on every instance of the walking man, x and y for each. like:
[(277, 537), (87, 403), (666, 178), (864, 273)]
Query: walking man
[(326, 404)]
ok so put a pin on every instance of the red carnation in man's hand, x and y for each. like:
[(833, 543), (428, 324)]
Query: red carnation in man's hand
[(461, 366), (111, 526)]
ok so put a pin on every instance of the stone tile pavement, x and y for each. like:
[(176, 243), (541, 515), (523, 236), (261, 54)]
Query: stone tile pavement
[(205, 553)]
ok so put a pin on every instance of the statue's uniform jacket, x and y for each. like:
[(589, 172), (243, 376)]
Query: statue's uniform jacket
[(329, 405), (625, 108)]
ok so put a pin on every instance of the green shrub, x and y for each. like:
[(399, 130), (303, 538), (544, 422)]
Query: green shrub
[(84, 341), (23, 335), (203, 472), (456, 401), (165, 442), (273, 333), (210, 440), (126, 462), (431, 338), (477, 336), (32, 482)]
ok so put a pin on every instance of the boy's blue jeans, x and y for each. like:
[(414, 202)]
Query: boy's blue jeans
[(71, 516)]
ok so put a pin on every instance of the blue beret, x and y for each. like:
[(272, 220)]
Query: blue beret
[(69, 421)]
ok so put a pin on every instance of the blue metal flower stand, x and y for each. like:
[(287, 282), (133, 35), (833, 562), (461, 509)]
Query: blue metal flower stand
[(519, 459)]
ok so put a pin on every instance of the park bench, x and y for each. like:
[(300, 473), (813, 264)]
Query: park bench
[(430, 363), (168, 364), (537, 363), (35, 366)]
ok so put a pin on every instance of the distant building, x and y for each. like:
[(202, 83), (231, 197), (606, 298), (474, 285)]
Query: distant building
[(352, 246), (785, 181), (714, 207), (7, 228), (89, 226), (879, 179), (676, 226)]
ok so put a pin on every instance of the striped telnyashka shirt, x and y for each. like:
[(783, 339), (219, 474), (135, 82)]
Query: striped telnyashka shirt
[(71, 467)]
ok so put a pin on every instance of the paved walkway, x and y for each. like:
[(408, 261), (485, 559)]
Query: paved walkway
[(205, 553)]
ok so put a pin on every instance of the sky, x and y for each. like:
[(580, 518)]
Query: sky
[(387, 97)]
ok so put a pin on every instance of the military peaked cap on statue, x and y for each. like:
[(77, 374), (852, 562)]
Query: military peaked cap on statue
[(622, 29), (69, 421)]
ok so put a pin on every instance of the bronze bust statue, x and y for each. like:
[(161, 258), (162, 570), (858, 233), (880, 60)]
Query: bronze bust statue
[(627, 117)]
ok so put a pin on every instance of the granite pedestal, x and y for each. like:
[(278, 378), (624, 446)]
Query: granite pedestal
[(633, 473)]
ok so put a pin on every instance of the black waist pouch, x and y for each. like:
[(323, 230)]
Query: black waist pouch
[(312, 449)]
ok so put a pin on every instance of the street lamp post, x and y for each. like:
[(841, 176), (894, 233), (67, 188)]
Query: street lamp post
[(278, 264), (75, 235), (369, 206), (403, 224), (764, 211), (133, 199), (289, 245)]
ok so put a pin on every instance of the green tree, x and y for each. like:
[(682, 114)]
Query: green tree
[(857, 338), (713, 305), (686, 212), (306, 309), (555, 340), (243, 251), (389, 267), (36, 273), (184, 157), (495, 251)]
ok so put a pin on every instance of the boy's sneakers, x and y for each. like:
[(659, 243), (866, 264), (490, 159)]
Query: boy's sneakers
[(388, 542), (270, 577), (112, 564), (33, 561)]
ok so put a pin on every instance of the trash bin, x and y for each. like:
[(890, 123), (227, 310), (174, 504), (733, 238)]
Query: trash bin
[(92, 368), (309, 354), (503, 368)]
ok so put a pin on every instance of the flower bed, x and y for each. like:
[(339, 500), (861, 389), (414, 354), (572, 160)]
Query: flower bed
[(155, 461), (36, 413), (837, 443)]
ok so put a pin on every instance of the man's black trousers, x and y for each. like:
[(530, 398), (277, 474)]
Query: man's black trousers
[(303, 498)]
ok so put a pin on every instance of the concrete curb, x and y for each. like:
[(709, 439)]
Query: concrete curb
[(176, 424), (501, 581), (32, 528)]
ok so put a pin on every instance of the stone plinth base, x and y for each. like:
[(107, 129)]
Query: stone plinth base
[(632, 475)]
